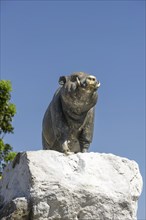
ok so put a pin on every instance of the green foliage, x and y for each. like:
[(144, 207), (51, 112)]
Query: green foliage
[(7, 109), (10, 156), (7, 112), (6, 154)]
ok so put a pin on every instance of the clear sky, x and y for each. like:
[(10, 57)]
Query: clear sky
[(42, 40)]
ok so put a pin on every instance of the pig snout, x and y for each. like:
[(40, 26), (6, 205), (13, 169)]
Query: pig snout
[(90, 81)]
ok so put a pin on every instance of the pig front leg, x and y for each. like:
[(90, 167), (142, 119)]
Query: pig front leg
[(86, 135), (65, 148), (64, 145), (84, 144)]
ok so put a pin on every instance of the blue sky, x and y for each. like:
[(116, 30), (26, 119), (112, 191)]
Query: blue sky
[(42, 40)]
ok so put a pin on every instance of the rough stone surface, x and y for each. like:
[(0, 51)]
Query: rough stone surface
[(47, 185)]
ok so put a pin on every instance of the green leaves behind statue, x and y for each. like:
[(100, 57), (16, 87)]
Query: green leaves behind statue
[(7, 112)]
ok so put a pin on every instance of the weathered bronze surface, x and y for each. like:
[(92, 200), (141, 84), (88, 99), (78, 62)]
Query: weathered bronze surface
[(69, 119)]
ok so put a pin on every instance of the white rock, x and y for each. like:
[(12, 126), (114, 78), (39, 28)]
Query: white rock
[(81, 186)]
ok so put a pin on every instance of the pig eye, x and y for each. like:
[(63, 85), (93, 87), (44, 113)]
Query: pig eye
[(74, 78)]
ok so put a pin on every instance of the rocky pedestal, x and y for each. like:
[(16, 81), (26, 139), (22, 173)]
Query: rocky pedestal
[(47, 185)]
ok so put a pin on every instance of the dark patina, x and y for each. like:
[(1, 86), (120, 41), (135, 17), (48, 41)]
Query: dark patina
[(69, 119)]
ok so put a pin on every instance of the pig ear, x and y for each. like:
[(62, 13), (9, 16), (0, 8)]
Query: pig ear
[(62, 80)]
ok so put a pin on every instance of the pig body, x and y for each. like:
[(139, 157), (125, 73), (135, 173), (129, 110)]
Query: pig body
[(69, 119)]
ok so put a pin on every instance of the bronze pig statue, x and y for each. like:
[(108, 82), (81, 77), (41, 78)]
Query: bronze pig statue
[(69, 119)]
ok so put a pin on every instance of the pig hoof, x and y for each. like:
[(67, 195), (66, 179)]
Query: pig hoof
[(68, 152), (84, 150)]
